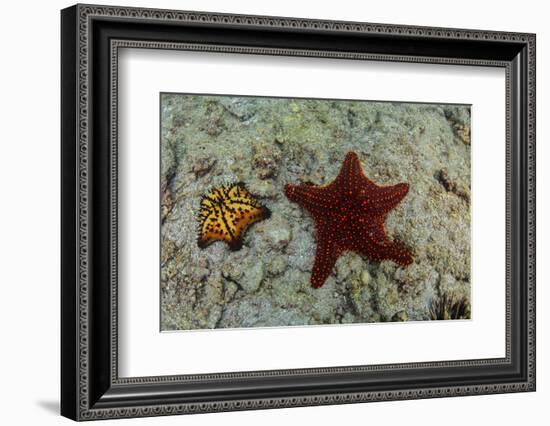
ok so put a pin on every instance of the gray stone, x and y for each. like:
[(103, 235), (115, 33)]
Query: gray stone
[(252, 277), (365, 277), (277, 265), (276, 232), (266, 159)]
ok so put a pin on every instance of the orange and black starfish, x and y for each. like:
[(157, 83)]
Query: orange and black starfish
[(349, 214), (225, 214)]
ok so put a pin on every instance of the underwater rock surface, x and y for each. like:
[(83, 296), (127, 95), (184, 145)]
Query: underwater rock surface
[(207, 141)]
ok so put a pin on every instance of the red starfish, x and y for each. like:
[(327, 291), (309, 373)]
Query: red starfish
[(349, 214)]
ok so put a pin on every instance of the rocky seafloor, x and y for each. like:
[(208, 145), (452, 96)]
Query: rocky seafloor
[(266, 143)]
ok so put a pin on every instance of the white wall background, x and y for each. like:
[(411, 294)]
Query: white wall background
[(29, 225)]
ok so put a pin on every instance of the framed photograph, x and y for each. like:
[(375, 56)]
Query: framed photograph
[(263, 212)]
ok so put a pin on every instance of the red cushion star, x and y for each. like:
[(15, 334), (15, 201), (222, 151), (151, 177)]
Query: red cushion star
[(349, 214)]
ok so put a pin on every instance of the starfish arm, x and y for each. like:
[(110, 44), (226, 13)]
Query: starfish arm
[(384, 199), (325, 256), (244, 221), (377, 246), (312, 198), (350, 177), (398, 253)]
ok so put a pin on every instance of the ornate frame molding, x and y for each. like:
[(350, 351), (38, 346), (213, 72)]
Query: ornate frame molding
[(78, 24)]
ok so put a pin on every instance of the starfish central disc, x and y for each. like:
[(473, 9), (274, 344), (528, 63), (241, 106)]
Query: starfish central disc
[(349, 215)]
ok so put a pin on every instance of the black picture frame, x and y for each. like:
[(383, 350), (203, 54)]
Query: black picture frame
[(90, 386)]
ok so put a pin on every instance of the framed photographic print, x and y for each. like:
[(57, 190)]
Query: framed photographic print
[(263, 212)]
